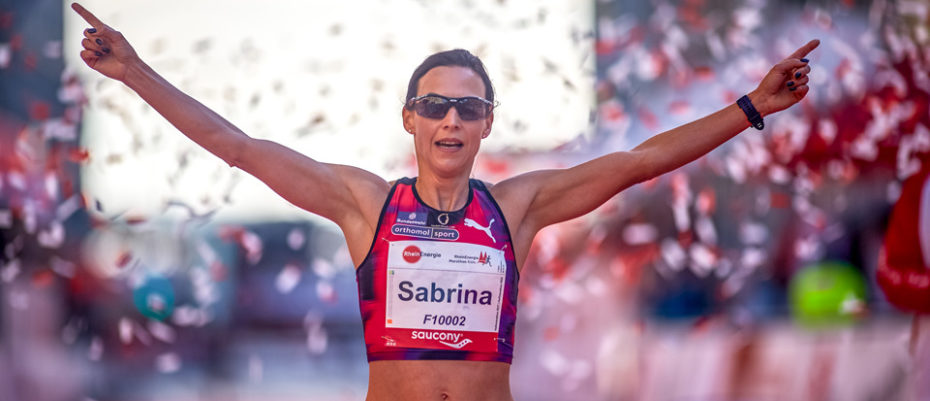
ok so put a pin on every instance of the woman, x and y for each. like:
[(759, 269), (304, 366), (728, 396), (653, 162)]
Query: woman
[(438, 255)]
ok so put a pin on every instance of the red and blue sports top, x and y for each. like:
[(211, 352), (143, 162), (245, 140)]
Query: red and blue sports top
[(437, 284)]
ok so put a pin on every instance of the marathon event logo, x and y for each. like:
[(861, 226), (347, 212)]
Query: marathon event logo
[(481, 258), (414, 218), (412, 254), (440, 233)]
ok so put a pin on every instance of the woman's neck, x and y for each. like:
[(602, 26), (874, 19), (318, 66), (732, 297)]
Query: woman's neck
[(443, 193)]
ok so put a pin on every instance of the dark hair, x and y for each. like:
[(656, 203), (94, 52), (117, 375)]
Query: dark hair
[(456, 57)]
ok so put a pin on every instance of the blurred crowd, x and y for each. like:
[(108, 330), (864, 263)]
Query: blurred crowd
[(751, 274)]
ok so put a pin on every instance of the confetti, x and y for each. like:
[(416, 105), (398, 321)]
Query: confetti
[(296, 238), (162, 331), (95, 351), (287, 279), (168, 362), (640, 233)]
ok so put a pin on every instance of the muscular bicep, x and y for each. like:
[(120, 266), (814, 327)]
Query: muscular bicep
[(337, 192), (564, 194)]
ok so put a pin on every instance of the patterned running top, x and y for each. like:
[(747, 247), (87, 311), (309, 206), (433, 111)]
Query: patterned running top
[(437, 284)]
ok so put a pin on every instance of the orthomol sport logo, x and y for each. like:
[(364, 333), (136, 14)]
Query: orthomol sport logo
[(412, 254)]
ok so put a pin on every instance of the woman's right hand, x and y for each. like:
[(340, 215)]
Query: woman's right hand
[(105, 49)]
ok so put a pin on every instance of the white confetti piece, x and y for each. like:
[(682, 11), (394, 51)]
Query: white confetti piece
[(323, 268), (63, 267), (58, 128), (168, 362), (703, 260), (207, 253), (10, 270), (325, 291), (252, 244), (190, 316), (255, 369), (6, 218), (640, 233), (753, 233), (287, 279), (19, 300), (5, 55), (74, 327), (68, 207), (596, 286), (553, 362), (673, 254), (52, 49), (162, 331), (125, 330), (704, 228), (96, 349), (296, 238), (893, 192), (53, 237), (316, 339), (569, 292), (808, 248)]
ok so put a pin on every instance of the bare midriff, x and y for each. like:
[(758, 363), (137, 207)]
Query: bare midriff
[(438, 380)]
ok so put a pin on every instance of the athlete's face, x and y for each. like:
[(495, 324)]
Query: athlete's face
[(448, 145)]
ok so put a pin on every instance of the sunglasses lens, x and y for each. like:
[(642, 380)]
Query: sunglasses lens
[(471, 109), (432, 107)]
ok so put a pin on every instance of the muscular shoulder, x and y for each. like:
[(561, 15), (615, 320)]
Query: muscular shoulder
[(515, 195), (367, 189)]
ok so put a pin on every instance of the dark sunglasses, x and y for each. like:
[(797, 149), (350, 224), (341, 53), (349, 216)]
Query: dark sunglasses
[(435, 106)]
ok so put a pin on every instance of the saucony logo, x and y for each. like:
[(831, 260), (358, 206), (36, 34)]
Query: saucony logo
[(487, 230), (457, 345)]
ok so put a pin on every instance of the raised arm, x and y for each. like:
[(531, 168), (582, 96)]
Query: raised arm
[(552, 196), (349, 196)]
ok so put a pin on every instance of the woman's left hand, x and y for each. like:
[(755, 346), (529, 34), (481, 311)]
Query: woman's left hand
[(786, 83)]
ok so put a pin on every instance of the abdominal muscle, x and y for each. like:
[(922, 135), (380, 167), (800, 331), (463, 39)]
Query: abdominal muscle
[(438, 380)]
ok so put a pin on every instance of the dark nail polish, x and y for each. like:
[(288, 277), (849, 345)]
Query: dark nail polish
[(797, 74), (793, 88), (92, 30), (106, 50), (804, 60), (790, 83), (99, 42), (98, 54)]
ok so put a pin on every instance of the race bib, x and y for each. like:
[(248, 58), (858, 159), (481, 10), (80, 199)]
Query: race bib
[(444, 295)]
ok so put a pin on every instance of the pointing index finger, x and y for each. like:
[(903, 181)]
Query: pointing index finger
[(90, 18), (803, 50)]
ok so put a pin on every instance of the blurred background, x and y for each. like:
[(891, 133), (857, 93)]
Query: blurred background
[(136, 266)]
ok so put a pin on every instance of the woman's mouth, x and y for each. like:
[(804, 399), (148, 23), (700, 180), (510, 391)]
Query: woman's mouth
[(449, 144)]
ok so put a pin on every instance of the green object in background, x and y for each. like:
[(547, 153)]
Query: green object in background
[(827, 294), (155, 298)]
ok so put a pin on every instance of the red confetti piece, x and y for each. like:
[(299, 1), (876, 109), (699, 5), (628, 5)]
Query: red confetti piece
[(43, 278), (39, 111), (16, 42), (124, 259), (704, 73), (679, 107), (218, 271), (648, 119), (6, 20), (551, 333), (79, 155), (133, 220), (30, 61)]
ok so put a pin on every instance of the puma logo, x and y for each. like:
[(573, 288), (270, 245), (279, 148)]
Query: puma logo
[(457, 345), (487, 230)]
